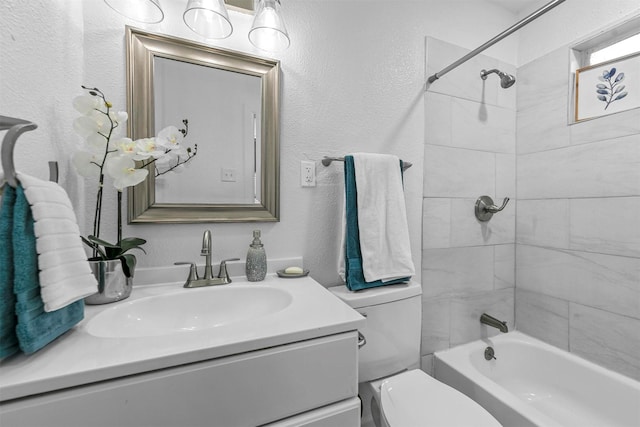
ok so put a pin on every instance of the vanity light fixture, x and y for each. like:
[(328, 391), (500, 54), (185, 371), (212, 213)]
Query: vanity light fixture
[(208, 18), (147, 11), (268, 31)]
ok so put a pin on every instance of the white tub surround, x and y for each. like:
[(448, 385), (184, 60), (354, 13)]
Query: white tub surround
[(80, 357), (531, 383)]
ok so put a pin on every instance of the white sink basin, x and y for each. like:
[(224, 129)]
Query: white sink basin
[(188, 310)]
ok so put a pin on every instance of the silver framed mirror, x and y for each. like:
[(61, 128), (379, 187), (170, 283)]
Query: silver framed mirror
[(235, 175)]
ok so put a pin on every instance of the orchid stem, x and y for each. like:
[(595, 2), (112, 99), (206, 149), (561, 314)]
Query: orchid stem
[(119, 217)]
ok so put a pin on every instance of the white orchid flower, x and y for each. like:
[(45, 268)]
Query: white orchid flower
[(149, 147), (170, 138), (102, 120), (163, 162), (85, 104), (85, 126), (119, 117), (177, 152), (96, 142), (94, 122), (129, 147), (124, 173), (87, 163)]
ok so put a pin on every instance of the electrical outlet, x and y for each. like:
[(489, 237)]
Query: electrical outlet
[(307, 173), (228, 175)]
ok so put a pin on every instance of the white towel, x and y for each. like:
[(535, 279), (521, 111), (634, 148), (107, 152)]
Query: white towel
[(382, 218), (65, 275), (51, 210), (55, 242), (51, 259), (45, 226)]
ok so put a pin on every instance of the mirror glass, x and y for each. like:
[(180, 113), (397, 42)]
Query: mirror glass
[(227, 105)]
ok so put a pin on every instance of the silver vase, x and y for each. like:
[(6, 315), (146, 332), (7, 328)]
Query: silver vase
[(113, 284)]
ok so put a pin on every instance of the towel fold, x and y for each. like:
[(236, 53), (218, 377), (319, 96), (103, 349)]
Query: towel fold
[(58, 274), (46, 226), (51, 259), (56, 242), (376, 249), (38, 190), (52, 210), (64, 276), (35, 327)]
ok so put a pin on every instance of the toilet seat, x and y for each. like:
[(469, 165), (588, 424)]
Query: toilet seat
[(414, 398)]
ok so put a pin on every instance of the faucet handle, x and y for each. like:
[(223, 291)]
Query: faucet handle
[(193, 272), (223, 273), (485, 208)]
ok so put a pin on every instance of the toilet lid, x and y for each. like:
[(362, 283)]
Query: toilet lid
[(413, 399)]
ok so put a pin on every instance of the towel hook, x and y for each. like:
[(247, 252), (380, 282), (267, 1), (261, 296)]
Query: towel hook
[(485, 207)]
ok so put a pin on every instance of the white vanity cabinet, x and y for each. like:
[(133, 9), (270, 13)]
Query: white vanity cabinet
[(281, 352), (307, 383)]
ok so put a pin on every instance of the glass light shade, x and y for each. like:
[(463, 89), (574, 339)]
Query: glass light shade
[(268, 31), (148, 11), (208, 18)]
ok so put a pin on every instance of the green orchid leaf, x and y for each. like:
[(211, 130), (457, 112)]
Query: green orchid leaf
[(128, 264), (131, 243), (94, 246), (101, 242), (88, 242), (113, 252)]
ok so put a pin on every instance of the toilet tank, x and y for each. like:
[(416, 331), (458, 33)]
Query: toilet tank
[(394, 316)]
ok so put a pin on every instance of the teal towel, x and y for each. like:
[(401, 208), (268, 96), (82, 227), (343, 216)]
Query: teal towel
[(8, 338), (36, 328), (354, 276)]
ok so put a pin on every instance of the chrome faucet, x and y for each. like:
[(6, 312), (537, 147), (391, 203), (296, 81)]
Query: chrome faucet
[(206, 252), (194, 280), (492, 321)]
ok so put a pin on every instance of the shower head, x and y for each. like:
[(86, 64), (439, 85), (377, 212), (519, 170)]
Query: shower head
[(506, 80)]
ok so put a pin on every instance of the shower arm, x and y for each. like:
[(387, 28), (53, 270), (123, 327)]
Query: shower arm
[(485, 73), (515, 27)]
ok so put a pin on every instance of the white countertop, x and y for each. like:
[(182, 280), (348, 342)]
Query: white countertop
[(78, 357)]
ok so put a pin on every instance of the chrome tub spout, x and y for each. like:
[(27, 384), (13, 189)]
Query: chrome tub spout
[(492, 321)]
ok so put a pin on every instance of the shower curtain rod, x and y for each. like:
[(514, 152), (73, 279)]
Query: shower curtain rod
[(544, 9)]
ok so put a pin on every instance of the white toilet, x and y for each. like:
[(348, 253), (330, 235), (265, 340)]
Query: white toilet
[(394, 392)]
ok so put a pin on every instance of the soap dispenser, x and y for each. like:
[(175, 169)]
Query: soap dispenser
[(256, 266)]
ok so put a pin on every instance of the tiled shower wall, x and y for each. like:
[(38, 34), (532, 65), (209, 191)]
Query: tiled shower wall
[(572, 275), (578, 221), (467, 266)]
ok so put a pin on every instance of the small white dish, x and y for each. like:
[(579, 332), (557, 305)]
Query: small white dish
[(282, 273)]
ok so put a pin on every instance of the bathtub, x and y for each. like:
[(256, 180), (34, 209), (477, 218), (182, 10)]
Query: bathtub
[(531, 383)]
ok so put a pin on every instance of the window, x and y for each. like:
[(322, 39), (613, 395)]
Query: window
[(624, 47), (619, 40)]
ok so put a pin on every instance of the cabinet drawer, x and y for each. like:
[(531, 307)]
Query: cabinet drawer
[(342, 414), (243, 390)]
